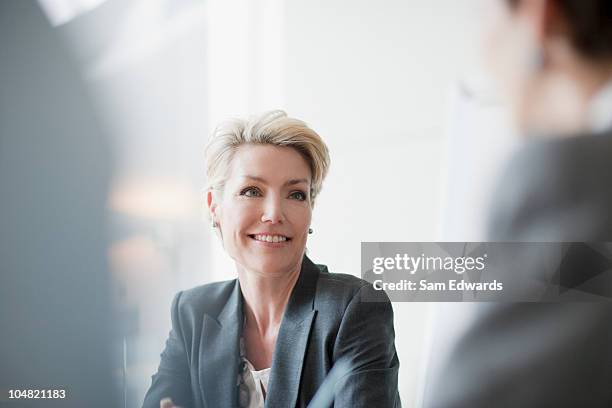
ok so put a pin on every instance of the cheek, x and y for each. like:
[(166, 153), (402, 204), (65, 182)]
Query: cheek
[(236, 218), (499, 40), (300, 219), (508, 62), (489, 22), (496, 49)]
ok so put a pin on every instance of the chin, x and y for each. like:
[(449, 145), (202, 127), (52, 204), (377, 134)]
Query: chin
[(270, 266)]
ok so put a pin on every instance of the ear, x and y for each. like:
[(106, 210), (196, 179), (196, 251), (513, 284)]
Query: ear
[(212, 204)]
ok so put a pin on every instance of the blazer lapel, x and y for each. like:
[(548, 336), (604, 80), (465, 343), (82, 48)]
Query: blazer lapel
[(292, 340), (219, 353)]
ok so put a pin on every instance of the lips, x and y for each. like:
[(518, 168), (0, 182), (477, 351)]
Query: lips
[(270, 238)]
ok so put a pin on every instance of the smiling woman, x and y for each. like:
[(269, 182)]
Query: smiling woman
[(271, 336), (264, 210)]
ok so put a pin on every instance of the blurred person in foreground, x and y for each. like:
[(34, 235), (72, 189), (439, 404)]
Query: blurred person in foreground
[(553, 60), (271, 336), (57, 336)]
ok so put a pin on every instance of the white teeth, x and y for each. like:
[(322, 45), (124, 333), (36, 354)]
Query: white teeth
[(270, 238)]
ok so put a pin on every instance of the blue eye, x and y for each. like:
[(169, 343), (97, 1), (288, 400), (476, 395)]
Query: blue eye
[(298, 195), (251, 192)]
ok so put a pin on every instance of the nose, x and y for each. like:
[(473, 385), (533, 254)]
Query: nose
[(273, 212)]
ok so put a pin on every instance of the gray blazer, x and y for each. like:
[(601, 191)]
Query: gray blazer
[(326, 319), (539, 355)]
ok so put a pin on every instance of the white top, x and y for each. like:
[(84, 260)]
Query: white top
[(256, 381)]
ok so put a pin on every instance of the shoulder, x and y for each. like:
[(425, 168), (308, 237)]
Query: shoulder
[(338, 284), (339, 290), (564, 156), (555, 189), (355, 314), (208, 299), (562, 165)]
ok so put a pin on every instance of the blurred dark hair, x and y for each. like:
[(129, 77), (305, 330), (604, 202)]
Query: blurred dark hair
[(590, 22)]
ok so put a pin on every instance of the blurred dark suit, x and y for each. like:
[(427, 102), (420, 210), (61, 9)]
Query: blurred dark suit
[(539, 355), (54, 175), (556, 190)]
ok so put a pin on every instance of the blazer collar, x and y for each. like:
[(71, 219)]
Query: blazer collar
[(219, 355), (292, 339), (220, 338)]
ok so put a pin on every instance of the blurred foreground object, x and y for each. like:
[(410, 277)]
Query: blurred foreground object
[(54, 172), (553, 60)]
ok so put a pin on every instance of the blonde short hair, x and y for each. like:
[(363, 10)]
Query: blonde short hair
[(270, 128)]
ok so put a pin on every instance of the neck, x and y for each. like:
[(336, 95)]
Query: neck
[(566, 99), (266, 297)]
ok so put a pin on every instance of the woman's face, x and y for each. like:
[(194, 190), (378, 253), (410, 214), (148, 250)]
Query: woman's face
[(526, 61), (509, 48), (264, 211)]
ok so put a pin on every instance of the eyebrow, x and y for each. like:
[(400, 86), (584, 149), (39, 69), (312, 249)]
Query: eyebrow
[(287, 183)]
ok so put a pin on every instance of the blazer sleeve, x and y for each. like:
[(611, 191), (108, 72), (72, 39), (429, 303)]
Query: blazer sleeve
[(366, 341), (172, 379), (526, 355), (535, 354)]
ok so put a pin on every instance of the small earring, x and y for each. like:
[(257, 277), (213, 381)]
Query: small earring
[(310, 230), (215, 224)]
